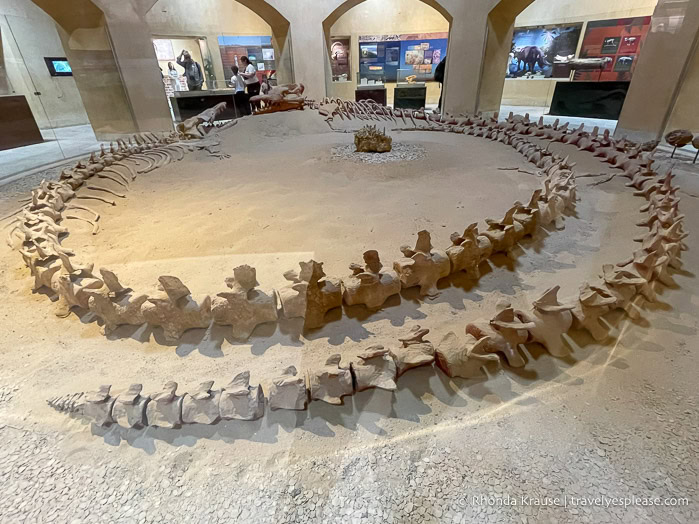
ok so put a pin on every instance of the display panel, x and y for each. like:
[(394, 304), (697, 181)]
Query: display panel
[(257, 48), (340, 58), (618, 39), (382, 56), (164, 50), (58, 66), (535, 49)]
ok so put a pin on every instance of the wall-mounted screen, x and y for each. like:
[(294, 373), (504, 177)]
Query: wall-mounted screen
[(58, 66)]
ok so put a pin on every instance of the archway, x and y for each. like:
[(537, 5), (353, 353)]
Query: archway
[(501, 23), (281, 36), (579, 30), (219, 19), (355, 18)]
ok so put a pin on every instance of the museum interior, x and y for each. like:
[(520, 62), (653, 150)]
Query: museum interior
[(367, 261)]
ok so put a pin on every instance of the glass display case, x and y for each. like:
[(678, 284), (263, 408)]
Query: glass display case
[(413, 77), (371, 75)]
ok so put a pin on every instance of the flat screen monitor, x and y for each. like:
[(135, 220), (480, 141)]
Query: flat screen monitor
[(58, 66)]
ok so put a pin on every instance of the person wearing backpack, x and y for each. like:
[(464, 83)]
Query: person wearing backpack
[(192, 71), (439, 77)]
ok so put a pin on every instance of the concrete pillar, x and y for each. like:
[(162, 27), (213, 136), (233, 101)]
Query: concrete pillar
[(283, 51), (500, 27), (662, 66), (306, 51), (133, 48), (479, 44), (685, 114), (464, 63)]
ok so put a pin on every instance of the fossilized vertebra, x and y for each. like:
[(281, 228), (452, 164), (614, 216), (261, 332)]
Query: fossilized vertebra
[(374, 369), (175, 310), (244, 307), (370, 285), (422, 266), (288, 391), (240, 400), (505, 331), (463, 359), (331, 382), (413, 351)]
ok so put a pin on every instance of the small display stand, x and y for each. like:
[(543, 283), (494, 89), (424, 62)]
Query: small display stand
[(589, 99), (410, 96), (375, 92)]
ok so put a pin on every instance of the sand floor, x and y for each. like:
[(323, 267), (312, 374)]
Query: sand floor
[(281, 198)]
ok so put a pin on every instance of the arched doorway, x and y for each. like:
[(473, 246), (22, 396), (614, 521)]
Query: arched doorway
[(594, 30), (391, 26), (391, 29), (228, 27)]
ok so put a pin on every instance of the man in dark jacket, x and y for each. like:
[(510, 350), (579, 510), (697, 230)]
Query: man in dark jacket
[(439, 77), (192, 71)]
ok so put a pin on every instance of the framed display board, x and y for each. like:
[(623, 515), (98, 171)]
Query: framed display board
[(618, 39), (386, 54), (164, 49), (534, 51), (340, 58)]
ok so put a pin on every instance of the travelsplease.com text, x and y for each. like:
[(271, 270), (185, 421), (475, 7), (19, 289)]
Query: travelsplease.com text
[(572, 500)]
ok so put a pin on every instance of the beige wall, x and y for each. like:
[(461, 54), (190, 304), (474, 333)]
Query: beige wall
[(539, 92), (378, 17), (207, 18), (28, 35), (543, 12)]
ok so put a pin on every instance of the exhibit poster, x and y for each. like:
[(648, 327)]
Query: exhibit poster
[(163, 49), (368, 51), (382, 56), (257, 48), (620, 40), (611, 45), (623, 64), (340, 59), (535, 50), (393, 55)]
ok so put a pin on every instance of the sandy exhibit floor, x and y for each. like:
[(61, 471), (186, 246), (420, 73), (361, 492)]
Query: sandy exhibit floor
[(282, 198)]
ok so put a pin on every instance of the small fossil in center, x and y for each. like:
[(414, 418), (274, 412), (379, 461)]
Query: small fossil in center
[(370, 140)]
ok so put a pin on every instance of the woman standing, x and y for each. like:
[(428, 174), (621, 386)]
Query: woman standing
[(251, 81), (174, 75)]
